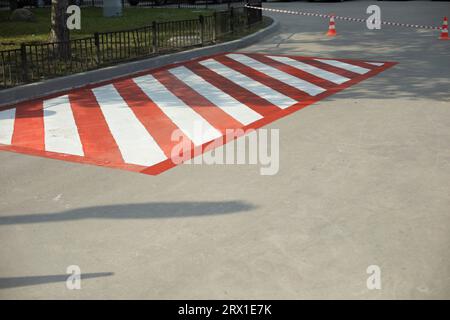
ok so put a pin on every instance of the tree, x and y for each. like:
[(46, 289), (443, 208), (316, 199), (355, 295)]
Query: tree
[(59, 31)]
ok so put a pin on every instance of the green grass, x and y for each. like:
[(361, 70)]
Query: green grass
[(13, 33), (266, 21)]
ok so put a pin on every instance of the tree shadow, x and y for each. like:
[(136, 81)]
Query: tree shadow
[(422, 71), (15, 282), (414, 77), (6, 114), (155, 210)]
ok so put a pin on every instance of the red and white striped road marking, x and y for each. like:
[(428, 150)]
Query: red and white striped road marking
[(128, 123)]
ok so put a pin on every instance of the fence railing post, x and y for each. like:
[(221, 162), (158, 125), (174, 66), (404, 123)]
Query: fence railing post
[(232, 20), (260, 15), (247, 20), (155, 37), (97, 47), (201, 19), (24, 62), (202, 29), (214, 29)]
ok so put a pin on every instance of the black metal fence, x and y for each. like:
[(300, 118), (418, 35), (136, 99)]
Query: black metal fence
[(34, 62), (130, 3)]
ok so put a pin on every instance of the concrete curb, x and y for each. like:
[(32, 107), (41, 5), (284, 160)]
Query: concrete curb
[(51, 86)]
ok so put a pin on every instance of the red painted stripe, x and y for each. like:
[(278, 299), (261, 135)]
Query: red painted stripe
[(29, 126), (327, 67), (208, 110), (73, 158), (154, 120), (273, 83), (361, 64), (96, 138), (244, 96), (323, 83)]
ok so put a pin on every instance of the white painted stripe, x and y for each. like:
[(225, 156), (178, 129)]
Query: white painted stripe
[(60, 129), (378, 64), (225, 102), (190, 122), (265, 92), (345, 66), (335, 78), (135, 143), (295, 82), (7, 125)]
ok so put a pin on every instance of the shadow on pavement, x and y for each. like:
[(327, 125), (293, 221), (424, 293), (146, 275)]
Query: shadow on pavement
[(422, 71), (16, 282), (153, 210)]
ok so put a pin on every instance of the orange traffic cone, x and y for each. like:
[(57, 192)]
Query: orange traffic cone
[(331, 28), (444, 32)]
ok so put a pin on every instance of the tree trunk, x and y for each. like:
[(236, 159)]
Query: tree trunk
[(59, 32)]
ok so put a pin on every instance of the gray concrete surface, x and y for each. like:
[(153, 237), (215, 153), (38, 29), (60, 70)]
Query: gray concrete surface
[(364, 180)]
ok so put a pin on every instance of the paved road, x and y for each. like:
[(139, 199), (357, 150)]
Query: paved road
[(149, 122), (363, 181)]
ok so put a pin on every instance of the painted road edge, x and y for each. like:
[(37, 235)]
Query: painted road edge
[(40, 89)]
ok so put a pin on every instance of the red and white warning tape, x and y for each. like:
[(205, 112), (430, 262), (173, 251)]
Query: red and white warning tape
[(311, 14)]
